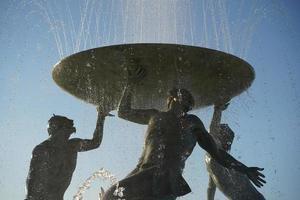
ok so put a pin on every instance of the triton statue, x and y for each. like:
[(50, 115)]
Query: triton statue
[(54, 160), (233, 184)]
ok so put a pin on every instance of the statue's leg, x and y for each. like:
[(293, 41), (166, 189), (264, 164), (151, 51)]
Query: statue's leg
[(137, 186)]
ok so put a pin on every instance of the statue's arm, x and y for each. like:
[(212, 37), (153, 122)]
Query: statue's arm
[(206, 141), (125, 111), (89, 144), (38, 172), (216, 120), (211, 189)]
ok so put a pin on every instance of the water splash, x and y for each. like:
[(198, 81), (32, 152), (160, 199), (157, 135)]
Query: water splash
[(119, 192), (102, 174)]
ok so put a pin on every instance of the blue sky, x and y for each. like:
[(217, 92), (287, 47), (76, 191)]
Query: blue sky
[(265, 118)]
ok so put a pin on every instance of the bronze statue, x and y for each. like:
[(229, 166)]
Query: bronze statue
[(54, 160), (170, 140), (233, 184)]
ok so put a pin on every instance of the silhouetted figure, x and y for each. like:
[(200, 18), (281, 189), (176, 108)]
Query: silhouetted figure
[(233, 184), (54, 160), (170, 140)]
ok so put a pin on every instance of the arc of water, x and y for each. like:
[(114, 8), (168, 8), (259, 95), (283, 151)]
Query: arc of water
[(102, 174)]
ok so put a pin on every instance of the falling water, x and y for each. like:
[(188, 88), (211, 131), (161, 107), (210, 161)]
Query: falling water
[(91, 23)]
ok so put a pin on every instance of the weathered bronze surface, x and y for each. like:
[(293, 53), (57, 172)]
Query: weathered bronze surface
[(98, 75)]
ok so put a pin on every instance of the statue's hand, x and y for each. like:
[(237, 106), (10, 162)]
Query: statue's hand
[(104, 110), (255, 176), (135, 74), (222, 106)]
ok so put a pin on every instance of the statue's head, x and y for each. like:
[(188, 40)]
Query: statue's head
[(225, 136), (61, 125), (182, 97)]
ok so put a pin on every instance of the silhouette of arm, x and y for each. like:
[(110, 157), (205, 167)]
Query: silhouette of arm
[(90, 144), (38, 173), (206, 141), (216, 120), (211, 189), (125, 111)]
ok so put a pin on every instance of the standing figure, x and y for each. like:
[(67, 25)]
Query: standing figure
[(54, 160), (233, 184), (170, 139)]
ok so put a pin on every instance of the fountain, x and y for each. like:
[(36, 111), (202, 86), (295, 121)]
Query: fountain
[(98, 75)]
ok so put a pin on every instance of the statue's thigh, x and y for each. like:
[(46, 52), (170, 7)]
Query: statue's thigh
[(135, 187)]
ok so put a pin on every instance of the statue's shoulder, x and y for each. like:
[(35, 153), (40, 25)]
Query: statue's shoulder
[(195, 122), (41, 148), (193, 118)]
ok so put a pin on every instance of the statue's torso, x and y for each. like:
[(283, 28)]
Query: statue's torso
[(53, 173), (169, 141), (62, 165)]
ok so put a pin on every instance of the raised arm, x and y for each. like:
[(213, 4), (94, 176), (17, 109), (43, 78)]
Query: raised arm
[(216, 119), (206, 141), (211, 189), (125, 111), (90, 144)]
